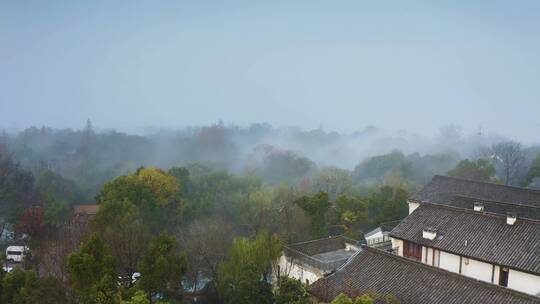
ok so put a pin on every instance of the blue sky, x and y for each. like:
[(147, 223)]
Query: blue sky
[(413, 65)]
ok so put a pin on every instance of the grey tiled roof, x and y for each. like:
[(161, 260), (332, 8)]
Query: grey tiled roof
[(442, 189), (312, 253), (321, 245), (522, 211), (375, 271), (478, 235)]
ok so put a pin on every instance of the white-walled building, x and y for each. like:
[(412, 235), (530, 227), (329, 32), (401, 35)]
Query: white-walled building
[(465, 194), (462, 242), (380, 236), (377, 236), (489, 247), (312, 260), (475, 229), (374, 271)]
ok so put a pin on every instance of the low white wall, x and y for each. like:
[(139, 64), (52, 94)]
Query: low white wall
[(476, 269), (374, 238), (449, 261), (351, 247), (524, 282), (378, 234), (291, 269)]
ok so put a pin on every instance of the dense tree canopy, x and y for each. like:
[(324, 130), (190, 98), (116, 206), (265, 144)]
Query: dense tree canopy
[(317, 207), (121, 227), (291, 291), (16, 189), (93, 272), (534, 173), (155, 193), (377, 167), (244, 276), (162, 268), (480, 170), (508, 157)]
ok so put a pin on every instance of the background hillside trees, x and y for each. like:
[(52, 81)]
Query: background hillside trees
[(533, 175), (480, 170), (508, 157)]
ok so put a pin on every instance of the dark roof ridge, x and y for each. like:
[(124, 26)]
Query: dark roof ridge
[(305, 255), (447, 273), (495, 201), (485, 183), (317, 240), (480, 213)]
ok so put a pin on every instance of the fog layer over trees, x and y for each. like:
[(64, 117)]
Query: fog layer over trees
[(276, 155)]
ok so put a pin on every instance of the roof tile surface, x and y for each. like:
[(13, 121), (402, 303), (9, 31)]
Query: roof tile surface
[(372, 270)]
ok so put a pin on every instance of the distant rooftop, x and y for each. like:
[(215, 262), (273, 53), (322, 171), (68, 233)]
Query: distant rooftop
[(443, 189), (492, 206), (452, 191), (325, 254)]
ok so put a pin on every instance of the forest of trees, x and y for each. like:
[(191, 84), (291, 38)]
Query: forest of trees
[(196, 214)]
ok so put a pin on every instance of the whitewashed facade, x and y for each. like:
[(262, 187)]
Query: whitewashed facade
[(301, 271), (469, 266)]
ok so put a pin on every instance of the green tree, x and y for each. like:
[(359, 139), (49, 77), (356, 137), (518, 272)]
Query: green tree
[(92, 271), (182, 175), (291, 291), (155, 193), (342, 299), (12, 284), (508, 157), (351, 211), (286, 167), (387, 204), (479, 170), (16, 190), (376, 168), (119, 224), (162, 268), (25, 287), (217, 191), (42, 291), (243, 278), (2, 276), (316, 207), (534, 171), (256, 210), (391, 299), (335, 182), (58, 194), (138, 298), (364, 299)]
